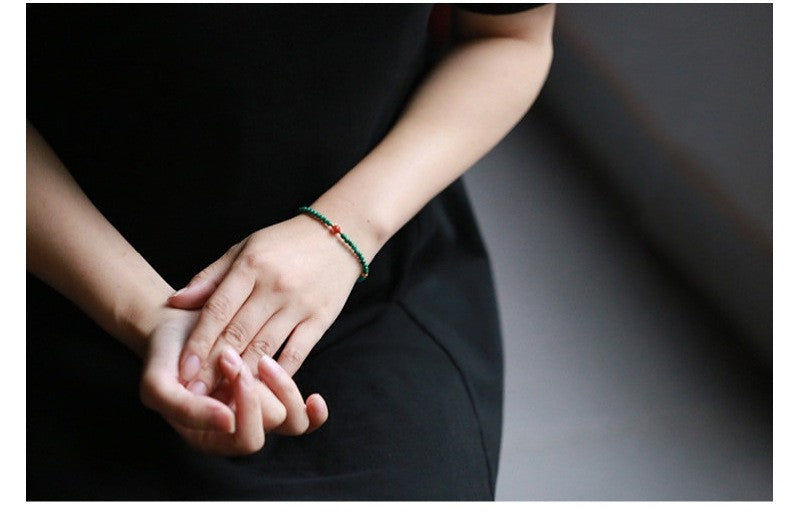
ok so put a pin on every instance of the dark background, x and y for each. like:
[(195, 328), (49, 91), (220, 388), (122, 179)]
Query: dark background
[(629, 219)]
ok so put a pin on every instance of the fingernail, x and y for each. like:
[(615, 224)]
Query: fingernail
[(190, 368), (232, 357), (198, 387)]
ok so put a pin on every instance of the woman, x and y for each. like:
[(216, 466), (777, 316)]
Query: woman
[(191, 128)]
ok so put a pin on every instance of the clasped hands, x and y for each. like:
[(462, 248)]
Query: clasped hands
[(209, 369)]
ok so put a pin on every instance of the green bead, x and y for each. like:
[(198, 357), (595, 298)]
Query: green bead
[(323, 219)]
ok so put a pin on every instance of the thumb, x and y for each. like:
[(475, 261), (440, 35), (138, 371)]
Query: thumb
[(202, 285)]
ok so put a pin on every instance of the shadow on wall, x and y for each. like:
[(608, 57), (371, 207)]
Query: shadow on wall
[(673, 103)]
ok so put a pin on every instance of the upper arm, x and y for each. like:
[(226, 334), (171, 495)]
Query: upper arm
[(534, 25)]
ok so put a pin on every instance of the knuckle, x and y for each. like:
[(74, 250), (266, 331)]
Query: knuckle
[(217, 307), (261, 347), (234, 334), (298, 425), (283, 283), (303, 425), (322, 318), (292, 357), (254, 261), (202, 275), (197, 342), (278, 414)]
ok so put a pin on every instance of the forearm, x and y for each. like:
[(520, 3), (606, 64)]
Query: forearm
[(468, 102), (74, 249)]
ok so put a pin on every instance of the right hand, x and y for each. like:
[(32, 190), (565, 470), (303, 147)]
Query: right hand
[(233, 420)]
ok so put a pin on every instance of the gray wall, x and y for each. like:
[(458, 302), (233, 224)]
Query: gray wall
[(626, 379)]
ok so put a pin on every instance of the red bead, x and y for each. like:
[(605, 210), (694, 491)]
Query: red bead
[(335, 229)]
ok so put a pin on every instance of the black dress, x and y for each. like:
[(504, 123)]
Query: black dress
[(192, 126)]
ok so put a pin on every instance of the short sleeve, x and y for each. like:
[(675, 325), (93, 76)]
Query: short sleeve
[(496, 8)]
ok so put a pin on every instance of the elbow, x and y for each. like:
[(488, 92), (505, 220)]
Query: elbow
[(546, 53), (540, 39), (535, 57)]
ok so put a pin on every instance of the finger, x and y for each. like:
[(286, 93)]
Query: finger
[(247, 322), (270, 337), (273, 411), (202, 285), (280, 383), (249, 436), (223, 392), (219, 309), (177, 404), (301, 342), (161, 391), (317, 412)]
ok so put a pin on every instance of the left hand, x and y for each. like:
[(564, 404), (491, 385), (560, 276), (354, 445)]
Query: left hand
[(249, 399), (236, 417), (288, 282)]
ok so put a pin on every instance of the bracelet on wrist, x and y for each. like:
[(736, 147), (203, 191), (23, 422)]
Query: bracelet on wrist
[(335, 230)]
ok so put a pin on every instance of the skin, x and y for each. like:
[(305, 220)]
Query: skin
[(287, 283), (72, 247), (283, 286)]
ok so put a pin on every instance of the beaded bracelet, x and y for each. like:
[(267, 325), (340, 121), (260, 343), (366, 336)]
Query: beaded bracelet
[(335, 230)]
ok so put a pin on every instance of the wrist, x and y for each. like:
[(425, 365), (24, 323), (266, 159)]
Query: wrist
[(356, 221), (138, 318)]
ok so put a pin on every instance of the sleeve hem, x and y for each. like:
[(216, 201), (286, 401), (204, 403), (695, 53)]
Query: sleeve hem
[(495, 8)]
